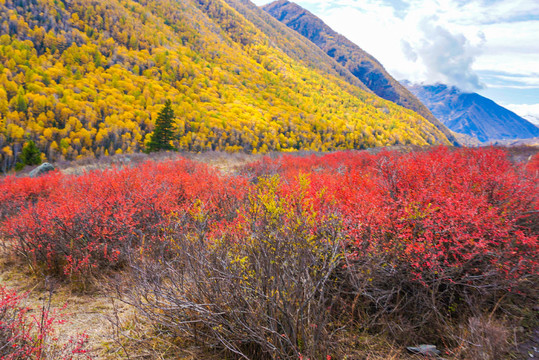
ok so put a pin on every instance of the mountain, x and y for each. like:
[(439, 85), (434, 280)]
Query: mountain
[(293, 44), (473, 114), (361, 64), (88, 77)]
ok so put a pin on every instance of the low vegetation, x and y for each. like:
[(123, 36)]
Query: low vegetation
[(29, 334), (300, 256)]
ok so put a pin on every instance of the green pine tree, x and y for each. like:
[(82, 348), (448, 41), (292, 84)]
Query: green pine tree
[(164, 132), (21, 104), (30, 155)]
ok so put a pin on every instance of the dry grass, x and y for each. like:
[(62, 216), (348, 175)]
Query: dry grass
[(114, 329), (84, 312), (484, 339), (225, 162), (116, 332)]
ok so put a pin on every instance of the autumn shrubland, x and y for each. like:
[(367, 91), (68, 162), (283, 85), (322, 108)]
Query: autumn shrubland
[(297, 256), (223, 252)]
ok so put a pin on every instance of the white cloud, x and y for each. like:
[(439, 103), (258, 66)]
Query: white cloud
[(521, 87), (447, 57), (529, 81), (528, 111), (417, 45), (452, 41)]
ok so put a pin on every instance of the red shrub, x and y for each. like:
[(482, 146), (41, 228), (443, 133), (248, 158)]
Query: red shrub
[(457, 215), (24, 336), (96, 220), (15, 193), (533, 165), (451, 219)]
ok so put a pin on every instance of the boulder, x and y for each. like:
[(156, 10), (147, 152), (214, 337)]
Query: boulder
[(426, 350), (41, 169)]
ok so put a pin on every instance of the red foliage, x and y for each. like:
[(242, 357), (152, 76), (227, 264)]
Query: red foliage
[(533, 165), (419, 237), (454, 215), (26, 336), (97, 219), (451, 215), (16, 193)]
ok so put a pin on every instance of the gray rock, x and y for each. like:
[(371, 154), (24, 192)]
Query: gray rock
[(426, 350), (41, 169)]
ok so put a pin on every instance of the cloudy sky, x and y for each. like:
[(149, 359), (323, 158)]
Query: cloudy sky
[(486, 46)]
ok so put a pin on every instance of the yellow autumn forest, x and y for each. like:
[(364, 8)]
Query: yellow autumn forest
[(87, 78)]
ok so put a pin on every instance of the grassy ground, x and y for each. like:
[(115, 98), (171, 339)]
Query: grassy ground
[(228, 163)]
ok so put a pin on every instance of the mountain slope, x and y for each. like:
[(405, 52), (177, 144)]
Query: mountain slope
[(289, 42), (361, 64), (87, 78), (473, 114)]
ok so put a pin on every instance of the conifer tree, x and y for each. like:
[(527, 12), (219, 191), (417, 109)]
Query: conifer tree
[(30, 155), (164, 132)]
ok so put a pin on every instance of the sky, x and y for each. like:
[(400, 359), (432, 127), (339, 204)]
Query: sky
[(485, 46)]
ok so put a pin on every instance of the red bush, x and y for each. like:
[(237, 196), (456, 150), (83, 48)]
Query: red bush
[(15, 193), (429, 235), (400, 243), (24, 336), (96, 220), (453, 222), (456, 215)]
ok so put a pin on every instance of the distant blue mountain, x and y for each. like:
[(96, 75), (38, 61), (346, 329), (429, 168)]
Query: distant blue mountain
[(472, 114)]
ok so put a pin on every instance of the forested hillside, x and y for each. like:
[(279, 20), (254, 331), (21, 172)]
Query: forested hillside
[(363, 66), (86, 78)]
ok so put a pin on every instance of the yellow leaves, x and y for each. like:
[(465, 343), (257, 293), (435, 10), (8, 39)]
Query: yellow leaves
[(197, 211), (6, 150), (47, 133), (54, 146), (75, 123), (266, 199), (65, 143), (4, 106), (15, 131), (106, 84), (239, 260)]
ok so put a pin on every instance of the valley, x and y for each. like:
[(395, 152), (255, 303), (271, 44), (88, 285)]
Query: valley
[(212, 179)]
